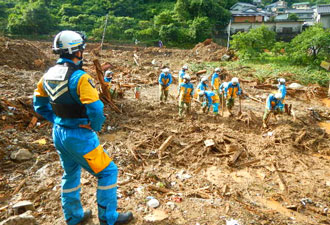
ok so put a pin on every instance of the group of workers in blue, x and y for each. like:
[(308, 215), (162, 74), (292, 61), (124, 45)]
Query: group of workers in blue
[(219, 92), (67, 97)]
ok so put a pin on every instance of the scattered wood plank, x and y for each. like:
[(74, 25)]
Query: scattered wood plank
[(201, 72), (33, 122), (248, 163), (18, 188), (235, 157), (301, 135), (159, 189), (282, 183), (105, 93), (161, 149)]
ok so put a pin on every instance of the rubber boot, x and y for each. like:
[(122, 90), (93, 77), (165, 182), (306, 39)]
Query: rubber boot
[(124, 218), (87, 216)]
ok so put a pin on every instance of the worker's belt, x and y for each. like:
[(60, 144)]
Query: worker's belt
[(69, 111)]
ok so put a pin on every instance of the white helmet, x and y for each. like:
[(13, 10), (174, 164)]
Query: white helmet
[(166, 70), (278, 95), (204, 79), (201, 93), (281, 80), (68, 41), (108, 72), (234, 80), (186, 76), (217, 69), (185, 67)]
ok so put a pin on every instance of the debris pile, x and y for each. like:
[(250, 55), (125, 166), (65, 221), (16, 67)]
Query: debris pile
[(22, 55), (210, 51)]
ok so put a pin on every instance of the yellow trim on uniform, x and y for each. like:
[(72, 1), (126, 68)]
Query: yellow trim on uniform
[(216, 84), (185, 95), (97, 159), (165, 89), (40, 91), (232, 93), (215, 99), (86, 92)]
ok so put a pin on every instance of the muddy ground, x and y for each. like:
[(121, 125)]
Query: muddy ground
[(281, 176)]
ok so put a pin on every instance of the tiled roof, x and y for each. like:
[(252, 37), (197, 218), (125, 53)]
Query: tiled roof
[(301, 3), (323, 9)]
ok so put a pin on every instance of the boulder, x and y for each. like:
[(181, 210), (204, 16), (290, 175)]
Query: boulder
[(21, 155), (26, 218)]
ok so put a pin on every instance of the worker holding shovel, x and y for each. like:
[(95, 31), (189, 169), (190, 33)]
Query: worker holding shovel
[(232, 91), (186, 91)]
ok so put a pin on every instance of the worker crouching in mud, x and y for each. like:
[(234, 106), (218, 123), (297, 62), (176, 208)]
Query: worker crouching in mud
[(273, 106), (212, 99), (202, 86), (67, 97), (165, 80), (186, 91)]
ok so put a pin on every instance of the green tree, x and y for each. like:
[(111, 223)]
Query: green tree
[(293, 17), (311, 46), (30, 18), (200, 29), (254, 42)]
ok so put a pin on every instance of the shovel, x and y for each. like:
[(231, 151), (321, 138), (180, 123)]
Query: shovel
[(240, 107), (222, 104)]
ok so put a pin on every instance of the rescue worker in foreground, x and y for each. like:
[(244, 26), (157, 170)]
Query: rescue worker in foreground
[(202, 86), (66, 96), (282, 89), (212, 99), (273, 105), (182, 73), (216, 81), (186, 91), (165, 80), (108, 79), (231, 92)]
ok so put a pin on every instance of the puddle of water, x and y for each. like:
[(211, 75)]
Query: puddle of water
[(325, 125), (326, 102)]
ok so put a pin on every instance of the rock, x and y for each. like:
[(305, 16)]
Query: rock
[(22, 206), (225, 57), (26, 218), (157, 215), (21, 155), (153, 203), (295, 86)]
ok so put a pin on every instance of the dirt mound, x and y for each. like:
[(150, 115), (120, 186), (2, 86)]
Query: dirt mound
[(22, 55), (210, 51)]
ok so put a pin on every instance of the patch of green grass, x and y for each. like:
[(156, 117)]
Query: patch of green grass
[(272, 68)]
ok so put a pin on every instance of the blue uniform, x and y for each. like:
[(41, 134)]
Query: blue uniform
[(282, 90), (78, 147), (181, 74), (165, 80), (202, 87), (212, 99), (232, 91), (272, 103)]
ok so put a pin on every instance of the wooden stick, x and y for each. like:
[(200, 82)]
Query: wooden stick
[(235, 157), (166, 143), (19, 186), (105, 93), (282, 183), (159, 189)]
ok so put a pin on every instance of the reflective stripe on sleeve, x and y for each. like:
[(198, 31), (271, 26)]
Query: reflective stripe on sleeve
[(107, 187), (71, 189)]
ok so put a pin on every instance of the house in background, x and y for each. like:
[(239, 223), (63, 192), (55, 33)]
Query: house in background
[(283, 28), (301, 5), (322, 15), (276, 7), (306, 15), (249, 15), (241, 6)]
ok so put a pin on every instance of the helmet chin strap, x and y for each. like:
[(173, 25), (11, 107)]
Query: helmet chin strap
[(79, 57)]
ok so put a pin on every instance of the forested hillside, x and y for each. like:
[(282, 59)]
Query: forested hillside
[(175, 22)]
